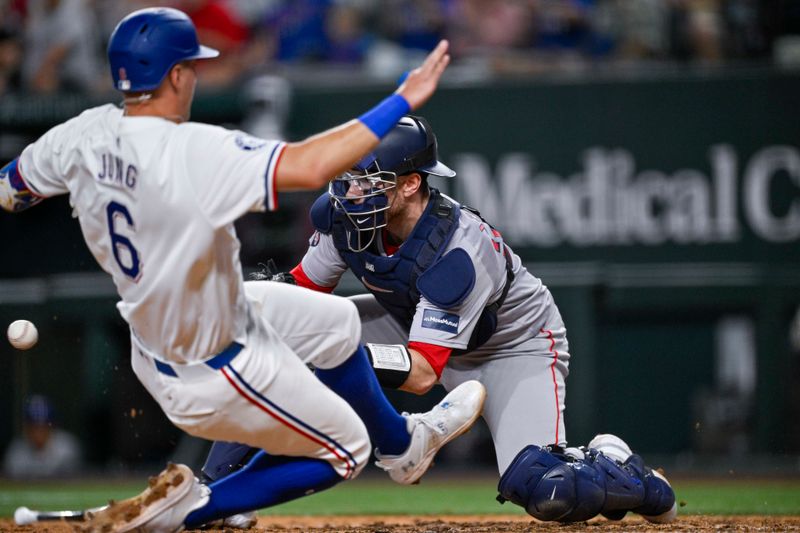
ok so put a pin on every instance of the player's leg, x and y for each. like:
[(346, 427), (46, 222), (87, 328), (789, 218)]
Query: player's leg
[(436, 427), (267, 480), (329, 340), (224, 458), (343, 366), (337, 330), (264, 397), (521, 406), (525, 393), (271, 479), (407, 443), (377, 325), (267, 398), (331, 334), (524, 413)]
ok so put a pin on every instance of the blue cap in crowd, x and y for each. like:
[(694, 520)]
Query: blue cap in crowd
[(38, 410)]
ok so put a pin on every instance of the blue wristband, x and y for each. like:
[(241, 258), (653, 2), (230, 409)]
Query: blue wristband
[(383, 117)]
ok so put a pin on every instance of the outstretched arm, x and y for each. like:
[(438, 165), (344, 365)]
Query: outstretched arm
[(310, 164), (15, 194)]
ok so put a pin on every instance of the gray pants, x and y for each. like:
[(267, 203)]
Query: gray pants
[(525, 388)]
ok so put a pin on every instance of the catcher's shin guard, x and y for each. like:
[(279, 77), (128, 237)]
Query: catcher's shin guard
[(551, 487), (659, 500)]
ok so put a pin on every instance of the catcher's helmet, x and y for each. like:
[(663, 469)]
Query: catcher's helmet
[(410, 146), (361, 193), (146, 44)]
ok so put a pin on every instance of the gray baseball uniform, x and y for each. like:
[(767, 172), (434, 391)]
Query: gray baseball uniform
[(523, 365)]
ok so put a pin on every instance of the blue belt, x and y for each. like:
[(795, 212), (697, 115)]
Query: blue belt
[(218, 361)]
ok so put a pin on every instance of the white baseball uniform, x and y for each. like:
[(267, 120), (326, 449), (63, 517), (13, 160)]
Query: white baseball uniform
[(523, 365), (226, 360)]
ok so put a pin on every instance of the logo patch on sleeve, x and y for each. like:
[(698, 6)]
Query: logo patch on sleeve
[(249, 143), (433, 319)]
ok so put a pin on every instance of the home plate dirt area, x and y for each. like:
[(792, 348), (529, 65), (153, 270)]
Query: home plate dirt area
[(477, 523)]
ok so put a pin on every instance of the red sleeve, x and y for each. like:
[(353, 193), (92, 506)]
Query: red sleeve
[(303, 281), (437, 356)]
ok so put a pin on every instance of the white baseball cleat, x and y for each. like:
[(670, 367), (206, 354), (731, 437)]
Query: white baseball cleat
[(241, 520), (612, 446), (237, 521), (454, 415), (160, 508)]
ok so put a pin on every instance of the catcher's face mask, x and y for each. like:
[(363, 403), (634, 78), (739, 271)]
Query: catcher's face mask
[(361, 196)]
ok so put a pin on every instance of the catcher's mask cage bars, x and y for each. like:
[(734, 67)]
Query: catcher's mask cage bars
[(362, 198), (361, 195)]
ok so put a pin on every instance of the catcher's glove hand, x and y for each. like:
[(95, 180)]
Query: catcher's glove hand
[(269, 272)]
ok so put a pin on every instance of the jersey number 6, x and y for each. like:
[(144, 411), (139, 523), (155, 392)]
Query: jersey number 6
[(119, 242)]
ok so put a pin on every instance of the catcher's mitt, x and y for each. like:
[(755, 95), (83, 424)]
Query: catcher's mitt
[(269, 272)]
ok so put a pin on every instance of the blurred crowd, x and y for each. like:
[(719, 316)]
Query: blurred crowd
[(50, 45), (43, 450)]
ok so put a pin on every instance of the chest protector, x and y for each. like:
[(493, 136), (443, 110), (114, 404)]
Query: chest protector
[(393, 279)]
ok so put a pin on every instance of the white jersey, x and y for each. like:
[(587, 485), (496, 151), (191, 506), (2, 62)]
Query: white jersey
[(156, 203)]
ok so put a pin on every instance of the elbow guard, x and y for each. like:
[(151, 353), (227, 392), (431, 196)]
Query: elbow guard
[(14, 192)]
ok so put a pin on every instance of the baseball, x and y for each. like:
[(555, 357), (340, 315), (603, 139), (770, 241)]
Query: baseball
[(22, 334)]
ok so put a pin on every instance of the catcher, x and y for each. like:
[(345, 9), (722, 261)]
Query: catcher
[(450, 302)]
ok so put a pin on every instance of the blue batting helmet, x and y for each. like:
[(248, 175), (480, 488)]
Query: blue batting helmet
[(146, 44)]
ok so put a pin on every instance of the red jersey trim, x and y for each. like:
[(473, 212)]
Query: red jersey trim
[(555, 381), (436, 355), (303, 280), (272, 189)]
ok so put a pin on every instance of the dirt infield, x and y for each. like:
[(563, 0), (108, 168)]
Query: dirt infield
[(483, 524)]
